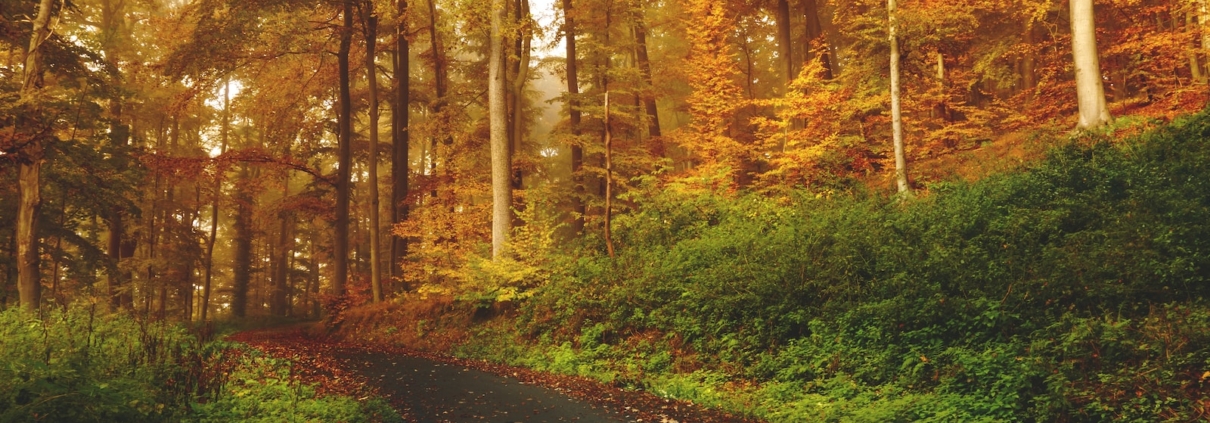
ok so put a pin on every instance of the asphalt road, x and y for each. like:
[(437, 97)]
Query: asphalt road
[(429, 391)]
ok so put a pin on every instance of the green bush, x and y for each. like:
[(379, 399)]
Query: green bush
[(1075, 290), (80, 364)]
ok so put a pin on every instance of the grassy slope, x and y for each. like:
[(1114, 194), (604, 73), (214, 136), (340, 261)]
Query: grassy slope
[(1071, 291)]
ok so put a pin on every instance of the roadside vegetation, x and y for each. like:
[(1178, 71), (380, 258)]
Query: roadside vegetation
[(81, 364), (1073, 289)]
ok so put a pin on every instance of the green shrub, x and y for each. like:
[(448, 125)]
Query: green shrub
[(79, 365), (1075, 290)]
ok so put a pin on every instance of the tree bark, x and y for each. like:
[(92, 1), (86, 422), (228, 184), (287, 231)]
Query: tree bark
[(1191, 50), (814, 34), (520, 81), (1203, 18), (644, 63), (340, 257), (498, 122), (441, 81), (901, 179), (400, 141), (372, 78), (1089, 89), (784, 47), (573, 112), (281, 269), (29, 173), (242, 268), (608, 181), (217, 193), (1029, 63)]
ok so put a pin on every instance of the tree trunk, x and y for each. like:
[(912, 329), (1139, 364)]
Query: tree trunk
[(649, 103), (1203, 15), (400, 141), (441, 81), (1029, 63), (281, 269), (224, 131), (372, 78), (815, 36), (573, 111), (498, 120), (608, 181), (1195, 67), (901, 178), (1089, 89), (520, 81), (340, 259), (29, 174), (242, 268), (784, 48)]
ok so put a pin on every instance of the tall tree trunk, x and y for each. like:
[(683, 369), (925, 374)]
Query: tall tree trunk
[(1191, 50), (29, 173), (242, 268), (340, 259), (502, 195), (608, 180), (1029, 63), (815, 36), (1203, 17), (281, 269), (372, 78), (520, 81), (1089, 89), (784, 47), (901, 178), (400, 141), (441, 81), (573, 111), (644, 63), (217, 193), (115, 255)]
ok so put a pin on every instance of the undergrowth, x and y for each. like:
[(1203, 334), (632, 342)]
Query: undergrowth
[(1074, 290), (82, 364)]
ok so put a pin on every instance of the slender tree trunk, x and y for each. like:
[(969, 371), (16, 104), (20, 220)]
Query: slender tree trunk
[(901, 178), (520, 81), (440, 83), (340, 257), (573, 111), (372, 78), (400, 141), (784, 48), (1203, 17), (815, 36), (242, 268), (1089, 89), (1029, 64), (29, 174), (644, 63), (608, 180), (281, 270), (217, 193), (1195, 67), (502, 196)]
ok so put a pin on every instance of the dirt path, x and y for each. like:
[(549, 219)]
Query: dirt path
[(430, 388)]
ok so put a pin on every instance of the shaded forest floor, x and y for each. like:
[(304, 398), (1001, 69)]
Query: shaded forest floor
[(433, 387)]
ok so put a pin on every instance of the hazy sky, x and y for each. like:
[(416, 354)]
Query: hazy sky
[(544, 13)]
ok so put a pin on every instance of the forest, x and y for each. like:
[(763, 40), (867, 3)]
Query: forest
[(756, 210)]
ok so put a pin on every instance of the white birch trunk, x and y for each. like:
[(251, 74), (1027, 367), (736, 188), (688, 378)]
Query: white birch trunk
[(901, 179), (1090, 90), (502, 194)]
